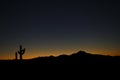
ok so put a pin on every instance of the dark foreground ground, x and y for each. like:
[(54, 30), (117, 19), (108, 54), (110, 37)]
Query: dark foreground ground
[(80, 64)]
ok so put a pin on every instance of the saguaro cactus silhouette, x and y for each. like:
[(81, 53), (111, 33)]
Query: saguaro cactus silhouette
[(21, 52)]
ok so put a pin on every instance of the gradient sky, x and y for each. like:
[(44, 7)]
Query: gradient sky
[(59, 27)]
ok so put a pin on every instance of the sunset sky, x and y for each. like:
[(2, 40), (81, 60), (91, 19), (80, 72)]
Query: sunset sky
[(46, 27)]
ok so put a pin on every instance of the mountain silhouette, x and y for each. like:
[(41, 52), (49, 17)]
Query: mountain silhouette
[(80, 57)]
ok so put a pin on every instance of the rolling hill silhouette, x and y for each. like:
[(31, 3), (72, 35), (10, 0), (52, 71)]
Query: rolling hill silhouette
[(80, 57)]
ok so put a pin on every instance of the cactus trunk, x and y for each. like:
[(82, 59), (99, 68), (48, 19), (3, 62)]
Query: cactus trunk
[(21, 52), (20, 57)]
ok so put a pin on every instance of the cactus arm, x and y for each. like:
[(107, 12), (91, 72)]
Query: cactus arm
[(24, 50)]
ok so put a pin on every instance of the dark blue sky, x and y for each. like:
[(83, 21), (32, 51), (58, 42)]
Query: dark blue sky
[(55, 27)]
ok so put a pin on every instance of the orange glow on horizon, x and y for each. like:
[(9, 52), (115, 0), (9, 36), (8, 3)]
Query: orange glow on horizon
[(33, 54), (57, 53)]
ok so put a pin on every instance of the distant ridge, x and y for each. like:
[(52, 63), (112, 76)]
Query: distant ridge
[(80, 57)]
